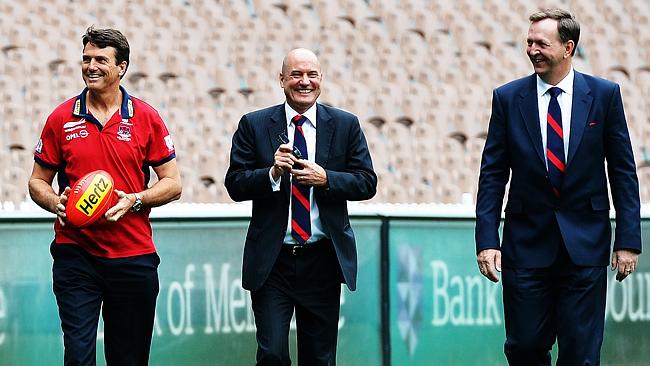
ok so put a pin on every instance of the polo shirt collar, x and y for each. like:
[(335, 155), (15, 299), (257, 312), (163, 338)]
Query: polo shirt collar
[(126, 110)]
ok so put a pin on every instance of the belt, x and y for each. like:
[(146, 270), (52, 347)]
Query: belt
[(302, 249)]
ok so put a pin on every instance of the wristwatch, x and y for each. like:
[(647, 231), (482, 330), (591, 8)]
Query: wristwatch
[(137, 205)]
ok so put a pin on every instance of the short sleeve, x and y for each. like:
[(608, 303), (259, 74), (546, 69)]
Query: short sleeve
[(161, 146), (48, 148)]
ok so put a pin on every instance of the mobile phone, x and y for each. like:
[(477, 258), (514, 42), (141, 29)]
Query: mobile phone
[(283, 139)]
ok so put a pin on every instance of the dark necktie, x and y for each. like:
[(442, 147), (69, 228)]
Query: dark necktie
[(300, 206), (555, 142)]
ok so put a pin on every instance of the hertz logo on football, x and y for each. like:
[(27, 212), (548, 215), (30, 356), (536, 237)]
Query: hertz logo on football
[(89, 198), (100, 186)]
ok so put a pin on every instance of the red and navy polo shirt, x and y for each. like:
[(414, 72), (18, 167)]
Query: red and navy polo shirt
[(74, 143)]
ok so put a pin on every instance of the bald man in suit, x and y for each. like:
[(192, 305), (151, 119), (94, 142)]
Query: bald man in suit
[(299, 162)]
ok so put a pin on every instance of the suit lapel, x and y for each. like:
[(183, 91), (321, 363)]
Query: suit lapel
[(529, 108), (277, 127), (581, 106), (324, 133)]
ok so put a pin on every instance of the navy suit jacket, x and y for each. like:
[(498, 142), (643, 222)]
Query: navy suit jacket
[(341, 150), (533, 214)]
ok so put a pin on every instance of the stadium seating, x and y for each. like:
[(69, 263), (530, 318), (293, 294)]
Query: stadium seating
[(419, 75)]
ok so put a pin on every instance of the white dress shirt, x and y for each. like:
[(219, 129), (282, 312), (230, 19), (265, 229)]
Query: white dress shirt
[(309, 130), (565, 99)]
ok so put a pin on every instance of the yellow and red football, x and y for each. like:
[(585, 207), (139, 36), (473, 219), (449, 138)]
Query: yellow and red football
[(89, 198)]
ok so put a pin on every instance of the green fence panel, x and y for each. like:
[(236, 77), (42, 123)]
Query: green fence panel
[(627, 315), (30, 333), (443, 312), (203, 315)]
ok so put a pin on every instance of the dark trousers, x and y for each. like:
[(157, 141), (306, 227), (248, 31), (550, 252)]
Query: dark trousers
[(310, 283), (564, 302), (125, 289)]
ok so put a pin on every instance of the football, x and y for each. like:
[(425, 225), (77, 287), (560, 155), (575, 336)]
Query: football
[(89, 198)]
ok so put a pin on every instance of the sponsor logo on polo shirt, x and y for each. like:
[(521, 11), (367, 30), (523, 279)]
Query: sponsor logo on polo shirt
[(169, 143), (39, 146), (74, 125), (77, 106), (83, 134), (129, 106)]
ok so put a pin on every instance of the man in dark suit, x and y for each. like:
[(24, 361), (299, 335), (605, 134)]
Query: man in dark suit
[(300, 162), (557, 233)]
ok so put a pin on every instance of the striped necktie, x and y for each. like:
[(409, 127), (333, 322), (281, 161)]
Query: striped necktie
[(555, 142), (300, 205)]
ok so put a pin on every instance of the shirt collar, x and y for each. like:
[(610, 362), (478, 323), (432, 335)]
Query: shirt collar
[(126, 111), (565, 84), (310, 114)]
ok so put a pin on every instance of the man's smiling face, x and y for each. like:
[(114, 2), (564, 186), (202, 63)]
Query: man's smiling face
[(551, 58), (300, 78), (98, 67)]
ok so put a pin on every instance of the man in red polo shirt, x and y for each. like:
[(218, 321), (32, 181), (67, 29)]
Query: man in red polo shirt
[(112, 264)]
